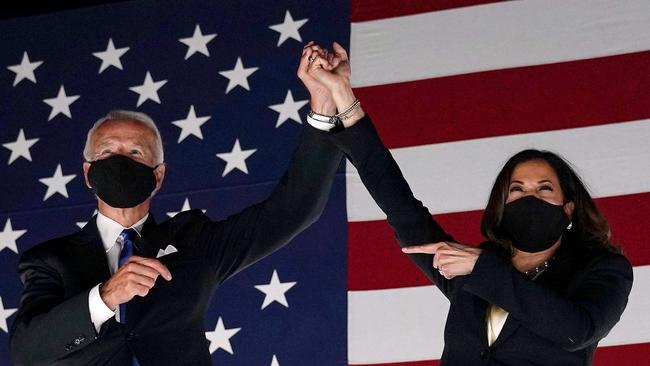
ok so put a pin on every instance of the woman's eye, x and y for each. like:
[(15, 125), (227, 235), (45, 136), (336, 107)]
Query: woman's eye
[(546, 188), (515, 189)]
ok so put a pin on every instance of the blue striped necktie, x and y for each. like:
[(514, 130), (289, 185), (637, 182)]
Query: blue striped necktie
[(127, 237)]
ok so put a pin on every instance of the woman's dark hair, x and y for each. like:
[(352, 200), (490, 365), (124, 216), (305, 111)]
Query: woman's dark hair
[(589, 227)]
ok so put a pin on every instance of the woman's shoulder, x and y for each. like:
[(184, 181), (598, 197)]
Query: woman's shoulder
[(593, 258)]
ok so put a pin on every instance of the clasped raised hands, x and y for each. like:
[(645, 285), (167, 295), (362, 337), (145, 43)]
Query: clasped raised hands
[(327, 77)]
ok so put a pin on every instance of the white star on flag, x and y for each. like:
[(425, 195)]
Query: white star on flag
[(110, 57), (8, 237), (25, 69), (238, 76), (57, 183), (4, 315), (20, 147), (61, 103), (275, 291), (274, 361), (288, 110), (148, 90), (220, 337), (186, 207), (198, 42), (289, 28), (81, 224), (191, 125), (236, 158)]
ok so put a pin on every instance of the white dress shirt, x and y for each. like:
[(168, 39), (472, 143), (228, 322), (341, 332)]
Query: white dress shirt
[(109, 231)]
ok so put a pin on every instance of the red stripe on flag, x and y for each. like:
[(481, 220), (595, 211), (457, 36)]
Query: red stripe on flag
[(629, 354), (511, 101), (376, 262), (363, 10)]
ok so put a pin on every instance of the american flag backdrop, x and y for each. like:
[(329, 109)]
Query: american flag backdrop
[(454, 87)]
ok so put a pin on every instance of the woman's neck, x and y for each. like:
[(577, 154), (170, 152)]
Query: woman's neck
[(525, 261)]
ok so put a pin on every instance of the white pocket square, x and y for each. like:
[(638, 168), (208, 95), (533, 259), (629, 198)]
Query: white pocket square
[(169, 250)]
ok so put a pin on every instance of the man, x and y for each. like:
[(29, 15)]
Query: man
[(100, 296)]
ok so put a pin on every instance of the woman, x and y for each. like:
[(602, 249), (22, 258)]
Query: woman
[(547, 284)]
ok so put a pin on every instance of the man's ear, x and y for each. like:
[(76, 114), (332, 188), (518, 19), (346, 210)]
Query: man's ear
[(159, 172), (86, 167)]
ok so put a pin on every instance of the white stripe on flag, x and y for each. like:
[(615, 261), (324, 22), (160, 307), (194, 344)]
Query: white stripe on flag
[(457, 176), (495, 36), (402, 325)]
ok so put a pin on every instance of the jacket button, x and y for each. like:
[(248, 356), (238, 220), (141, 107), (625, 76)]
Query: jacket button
[(485, 353), (131, 336)]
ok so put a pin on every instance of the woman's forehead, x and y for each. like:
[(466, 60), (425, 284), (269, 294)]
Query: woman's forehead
[(536, 170)]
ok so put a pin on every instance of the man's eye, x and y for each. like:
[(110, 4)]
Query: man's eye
[(135, 152)]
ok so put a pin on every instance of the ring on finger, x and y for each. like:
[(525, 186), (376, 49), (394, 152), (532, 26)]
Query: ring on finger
[(311, 59)]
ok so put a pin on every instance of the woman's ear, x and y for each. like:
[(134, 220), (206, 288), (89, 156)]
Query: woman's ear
[(568, 208)]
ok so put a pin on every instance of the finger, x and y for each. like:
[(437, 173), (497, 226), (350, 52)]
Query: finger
[(308, 44), (303, 66), (319, 62), (155, 264), (139, 269), (458, 245), (134, 288), (317, 48), (138, 279), (450, 252), (424, 248), (340, 51)]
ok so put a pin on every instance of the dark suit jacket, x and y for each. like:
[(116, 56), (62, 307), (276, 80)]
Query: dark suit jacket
[(556, 320), (166, 327)]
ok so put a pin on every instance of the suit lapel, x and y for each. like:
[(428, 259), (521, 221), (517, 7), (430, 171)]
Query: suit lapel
[(509, 328), (147, 242), (92, 260)]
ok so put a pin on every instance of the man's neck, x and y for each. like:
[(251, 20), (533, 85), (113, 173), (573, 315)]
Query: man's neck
[(124, 216)]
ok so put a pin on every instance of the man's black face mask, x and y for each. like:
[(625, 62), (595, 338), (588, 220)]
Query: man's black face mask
[(121, 182)]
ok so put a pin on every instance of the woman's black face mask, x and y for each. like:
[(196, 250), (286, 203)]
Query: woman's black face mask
[(121, 182), (533, 224)]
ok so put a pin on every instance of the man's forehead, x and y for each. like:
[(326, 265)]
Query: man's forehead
[(123, 129)]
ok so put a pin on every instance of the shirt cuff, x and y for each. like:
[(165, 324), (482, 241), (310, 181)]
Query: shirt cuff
[(99, 312)]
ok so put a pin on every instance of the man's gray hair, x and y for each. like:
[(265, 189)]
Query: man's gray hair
[(139, 117)]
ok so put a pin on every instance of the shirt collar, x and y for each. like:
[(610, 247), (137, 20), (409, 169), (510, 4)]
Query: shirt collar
[(109, 229)]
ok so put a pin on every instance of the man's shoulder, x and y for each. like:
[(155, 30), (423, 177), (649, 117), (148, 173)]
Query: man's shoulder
[(49, 249), (189, 217), (190, 220)]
